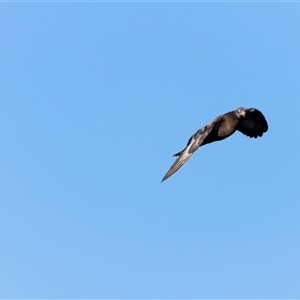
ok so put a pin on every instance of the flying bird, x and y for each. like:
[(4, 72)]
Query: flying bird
[(250, 122)]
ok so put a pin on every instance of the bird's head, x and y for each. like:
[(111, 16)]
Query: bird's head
[(241, 112)]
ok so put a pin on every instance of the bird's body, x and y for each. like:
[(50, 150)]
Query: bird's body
[(250, 122)]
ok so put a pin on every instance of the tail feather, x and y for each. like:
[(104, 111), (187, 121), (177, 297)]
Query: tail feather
[(178, 153)]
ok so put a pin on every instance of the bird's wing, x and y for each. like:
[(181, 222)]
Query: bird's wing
[(254, 124), (193, 144)]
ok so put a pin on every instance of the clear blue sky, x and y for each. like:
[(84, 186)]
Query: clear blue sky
[(95, 99)]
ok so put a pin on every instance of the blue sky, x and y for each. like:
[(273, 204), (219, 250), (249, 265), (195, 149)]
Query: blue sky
[(96, 98)]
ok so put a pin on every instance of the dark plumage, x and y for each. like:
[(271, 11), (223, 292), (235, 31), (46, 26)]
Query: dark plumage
[(250, 122)]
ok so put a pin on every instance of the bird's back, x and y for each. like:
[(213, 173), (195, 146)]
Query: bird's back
[(222, 129)]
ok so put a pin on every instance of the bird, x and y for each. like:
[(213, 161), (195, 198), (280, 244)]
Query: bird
[(249, 121)]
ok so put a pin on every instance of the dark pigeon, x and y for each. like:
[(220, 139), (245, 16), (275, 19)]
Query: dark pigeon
[(250, 122)]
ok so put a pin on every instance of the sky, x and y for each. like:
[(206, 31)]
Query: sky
[(95, 99)]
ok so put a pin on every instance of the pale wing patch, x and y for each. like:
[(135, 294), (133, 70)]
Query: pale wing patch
[(194, 143), (179, 162)]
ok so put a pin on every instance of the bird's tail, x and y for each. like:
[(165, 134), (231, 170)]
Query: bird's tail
[(178, 153)]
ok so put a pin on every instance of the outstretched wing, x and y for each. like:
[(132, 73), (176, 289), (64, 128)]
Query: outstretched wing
[(193, 144), (254, 124)]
